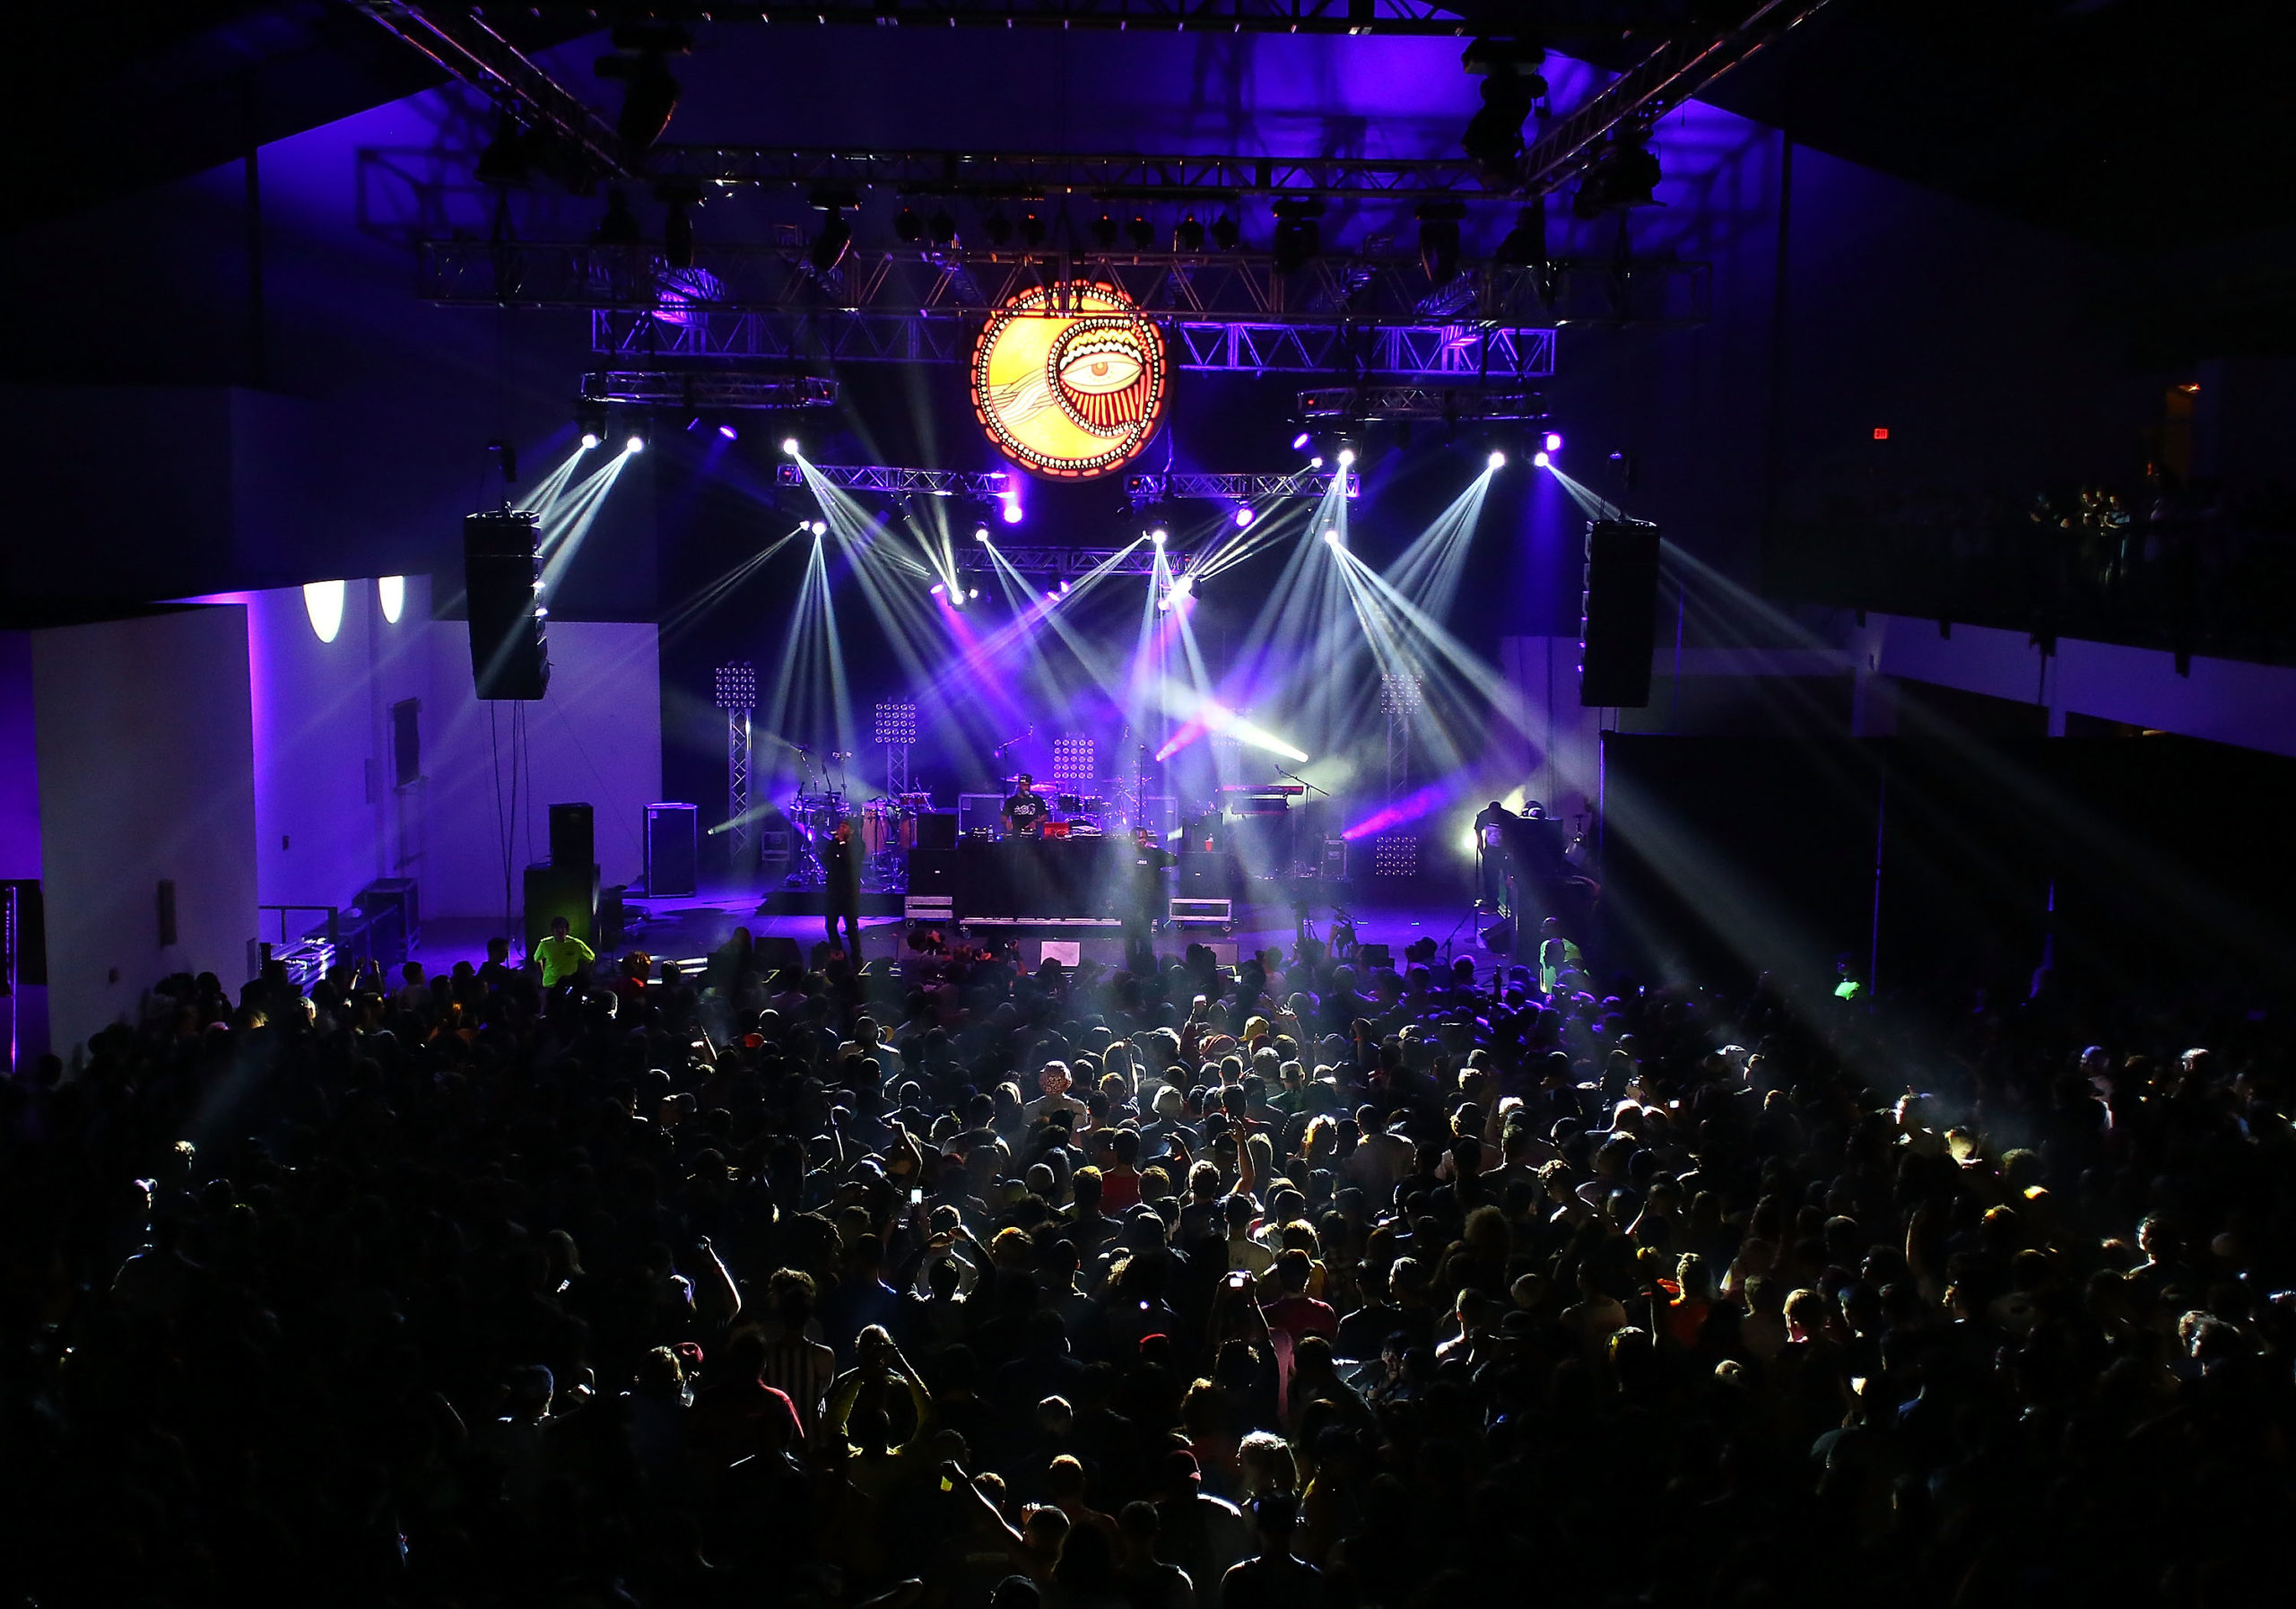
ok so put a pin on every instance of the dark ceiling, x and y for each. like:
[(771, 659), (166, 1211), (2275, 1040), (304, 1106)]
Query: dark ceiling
[(2140, 124)]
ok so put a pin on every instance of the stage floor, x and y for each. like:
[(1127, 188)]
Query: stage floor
[(689, 929)]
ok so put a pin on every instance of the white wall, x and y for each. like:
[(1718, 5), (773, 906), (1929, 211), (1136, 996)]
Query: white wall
[(146, 759), (597, 738), (2224, 700)]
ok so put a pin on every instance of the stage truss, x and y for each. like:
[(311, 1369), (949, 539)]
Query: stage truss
[(895, 479)]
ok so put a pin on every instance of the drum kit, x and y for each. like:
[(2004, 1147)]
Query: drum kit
[(884, 828)]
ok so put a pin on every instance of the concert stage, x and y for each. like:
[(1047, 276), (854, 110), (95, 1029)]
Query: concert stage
[(689, 929)]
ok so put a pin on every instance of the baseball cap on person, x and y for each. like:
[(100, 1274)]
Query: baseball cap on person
[(1181, 1465)]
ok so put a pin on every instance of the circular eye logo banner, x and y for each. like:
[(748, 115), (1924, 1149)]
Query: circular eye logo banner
[(1070, 381)]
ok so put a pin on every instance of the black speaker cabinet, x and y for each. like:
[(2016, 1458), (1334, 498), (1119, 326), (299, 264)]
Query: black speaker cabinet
[(672, 851), (1618, 626), (933, 871), (510, 647), (937, 830), (573, 836)]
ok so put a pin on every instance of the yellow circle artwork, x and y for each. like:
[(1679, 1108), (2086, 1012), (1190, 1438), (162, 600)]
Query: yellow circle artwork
[(1070, 380)]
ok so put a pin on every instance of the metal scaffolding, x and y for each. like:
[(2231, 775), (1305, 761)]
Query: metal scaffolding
[(698, 389)]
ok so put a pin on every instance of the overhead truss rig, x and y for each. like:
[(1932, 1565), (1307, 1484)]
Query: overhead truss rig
[(894, 480), (1414, 18), (708, 388), (1372, 288), (1071, 563), (1451, 405), (462, 41), (1028, 175)]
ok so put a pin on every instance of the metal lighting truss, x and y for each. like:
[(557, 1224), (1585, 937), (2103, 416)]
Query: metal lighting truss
[(1400, 699), (467, 48), (1385, 17), (894, 480), (708, 388), (1661, 80), (1018, 177), (1366, 288), (737, 695), (1450, 404), (1071, 563), (1238, 488)]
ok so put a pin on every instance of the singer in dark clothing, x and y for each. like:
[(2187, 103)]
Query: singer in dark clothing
[(1144, 902), (842, 891)]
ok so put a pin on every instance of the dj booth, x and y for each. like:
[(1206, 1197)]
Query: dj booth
[(1054, 878)]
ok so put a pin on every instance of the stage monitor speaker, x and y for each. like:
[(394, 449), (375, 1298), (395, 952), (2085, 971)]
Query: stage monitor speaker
[(509, 647), (778, 955), (672, 851), (569, 892), (937, 830), (573, 835), (1206, 875), (933, 871), (1618, 624), (613, 917)]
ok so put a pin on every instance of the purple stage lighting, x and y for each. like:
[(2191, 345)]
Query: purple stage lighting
[(1553, 442), (729, 433), (1012, 509), (939, 589), (1541, 461), (1299, 442), (1243, 518)]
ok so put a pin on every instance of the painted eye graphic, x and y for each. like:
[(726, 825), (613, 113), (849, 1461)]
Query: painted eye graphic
[(1101, 368), (1069, 381)]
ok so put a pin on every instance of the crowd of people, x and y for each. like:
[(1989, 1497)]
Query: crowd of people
[(948, 1282)]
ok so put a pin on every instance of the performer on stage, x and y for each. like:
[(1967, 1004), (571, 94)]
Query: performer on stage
[(1491, 858), (1144, 902), (1024, 812), (842, 888)]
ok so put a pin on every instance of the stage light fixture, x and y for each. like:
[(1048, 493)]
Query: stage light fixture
[(1064, 589), (1299, 442), (1031, 230), (729, 433), (790, 446), (1141, 232), (390, 591), (1012, 509), (1541, 461), (1158, 537), (999, 228), (942, 228), (939, 589), (908, 226), (636, 444), (974, 593), (1526, 243), (649, 93), (1244, 517), (832, 243), (1511, 84), (1331, 534), (1553, 442), (589, 439), (619, 226), (1188, 234), (1346, 456), (1497, 460), (677, 233), (980, 533), (1317, 462), (1104, 231), (504, 159), (1438, 238), (1299, 237), (820, 527), (1183, 585)]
